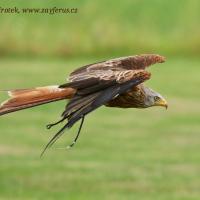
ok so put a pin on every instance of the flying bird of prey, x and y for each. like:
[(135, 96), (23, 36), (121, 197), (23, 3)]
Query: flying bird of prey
[(114, 83)]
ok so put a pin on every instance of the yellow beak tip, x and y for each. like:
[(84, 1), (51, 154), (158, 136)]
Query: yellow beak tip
[(162, 103)]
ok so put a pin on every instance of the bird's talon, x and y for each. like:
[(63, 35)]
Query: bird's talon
[(49, 126), (71, 145)]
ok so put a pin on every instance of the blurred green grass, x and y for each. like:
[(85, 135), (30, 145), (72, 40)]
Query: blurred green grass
[(121, 154), (102, 28)]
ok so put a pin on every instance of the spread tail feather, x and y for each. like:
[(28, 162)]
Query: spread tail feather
[(26, 98)]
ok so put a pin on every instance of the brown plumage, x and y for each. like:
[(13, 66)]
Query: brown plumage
[(134, 98), (26, 98), (114, 83)]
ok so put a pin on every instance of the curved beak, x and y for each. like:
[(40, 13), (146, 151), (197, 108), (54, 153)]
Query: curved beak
[(161, 102)]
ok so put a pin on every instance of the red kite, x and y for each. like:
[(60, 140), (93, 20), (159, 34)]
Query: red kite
[(113, 83)]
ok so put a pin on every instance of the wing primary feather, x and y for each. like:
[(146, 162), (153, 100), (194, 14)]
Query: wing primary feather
[(115, 90), (54, 138), (78, 103), (59, 134)]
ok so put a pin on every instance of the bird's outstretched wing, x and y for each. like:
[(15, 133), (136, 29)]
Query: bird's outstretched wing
[(123, 63), (94, 80), (96, 84)]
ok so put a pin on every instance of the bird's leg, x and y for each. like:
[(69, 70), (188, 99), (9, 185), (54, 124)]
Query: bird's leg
[(77, 136), (50, 125)]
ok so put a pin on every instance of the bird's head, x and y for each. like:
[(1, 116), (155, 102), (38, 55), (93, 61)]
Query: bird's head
[(153, 98)]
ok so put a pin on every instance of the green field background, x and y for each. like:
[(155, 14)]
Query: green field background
[(149, 154)]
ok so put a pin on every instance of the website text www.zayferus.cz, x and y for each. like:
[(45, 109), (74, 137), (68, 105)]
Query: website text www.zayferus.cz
[(50, 11)]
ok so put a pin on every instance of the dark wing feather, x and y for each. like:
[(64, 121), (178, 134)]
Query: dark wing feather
[(88, 81), (94, 88), (78, 102)]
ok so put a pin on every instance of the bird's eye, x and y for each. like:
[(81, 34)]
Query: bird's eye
[(156, 98)]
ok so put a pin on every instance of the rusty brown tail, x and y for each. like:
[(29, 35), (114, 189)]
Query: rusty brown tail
[(26, 98)]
